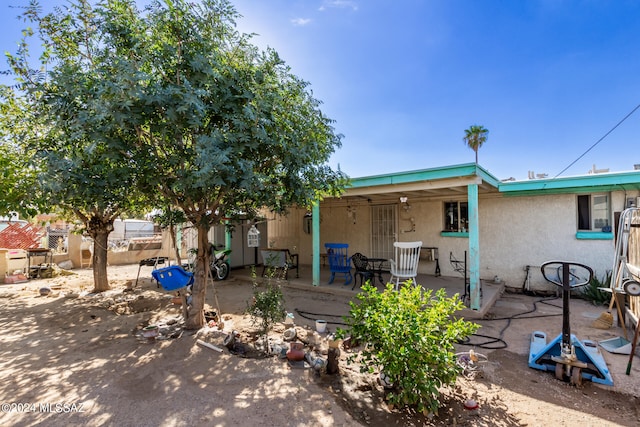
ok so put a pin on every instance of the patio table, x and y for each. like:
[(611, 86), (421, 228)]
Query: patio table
[(379, 266)]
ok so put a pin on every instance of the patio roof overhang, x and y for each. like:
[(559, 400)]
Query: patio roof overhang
[(442, 182), (464, 181)]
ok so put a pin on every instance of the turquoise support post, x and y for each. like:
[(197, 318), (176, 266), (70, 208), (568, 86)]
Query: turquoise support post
[(315, 250), (474, 246), (227, 236)]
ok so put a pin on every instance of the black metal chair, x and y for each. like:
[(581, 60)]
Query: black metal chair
[(361, 264)]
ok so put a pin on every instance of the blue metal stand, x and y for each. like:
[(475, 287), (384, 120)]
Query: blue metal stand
[(570, 358), (589, 360)]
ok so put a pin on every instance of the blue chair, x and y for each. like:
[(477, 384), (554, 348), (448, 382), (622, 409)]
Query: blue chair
[(339, 261)]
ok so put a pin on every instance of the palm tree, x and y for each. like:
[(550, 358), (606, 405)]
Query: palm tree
[(474, 137)]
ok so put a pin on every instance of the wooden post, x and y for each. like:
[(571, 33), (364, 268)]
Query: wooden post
[(333, 357)]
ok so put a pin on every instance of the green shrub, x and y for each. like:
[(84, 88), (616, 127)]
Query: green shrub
[(267, 306), (590, 292), (409, 335)]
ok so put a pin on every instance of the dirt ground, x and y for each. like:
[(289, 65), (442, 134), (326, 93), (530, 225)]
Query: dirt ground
[(75, 358)]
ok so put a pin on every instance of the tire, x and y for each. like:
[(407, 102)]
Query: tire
[(220, 271), (560, 371), (576, 376), (631, 287)]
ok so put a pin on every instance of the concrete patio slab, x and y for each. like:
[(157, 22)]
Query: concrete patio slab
[(453, 285)]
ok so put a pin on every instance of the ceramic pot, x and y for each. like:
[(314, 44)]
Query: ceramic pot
[(295, 352), (150, 332), (289, 334)]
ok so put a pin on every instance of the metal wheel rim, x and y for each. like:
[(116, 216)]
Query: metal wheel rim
[(632, 288)]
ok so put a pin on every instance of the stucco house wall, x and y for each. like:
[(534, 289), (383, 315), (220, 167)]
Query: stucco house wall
[(520, 231), (515, 232), (286, 232), (346, 224)]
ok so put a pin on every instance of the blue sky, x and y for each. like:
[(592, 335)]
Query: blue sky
[(403, 79)]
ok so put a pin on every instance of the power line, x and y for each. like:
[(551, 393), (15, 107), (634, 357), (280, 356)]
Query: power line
[(598, 141)]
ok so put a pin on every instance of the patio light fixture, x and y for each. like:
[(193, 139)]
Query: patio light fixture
[(405, 203)]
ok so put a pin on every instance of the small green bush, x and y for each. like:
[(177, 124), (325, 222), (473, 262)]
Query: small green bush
[(267, 306), (409, 335)]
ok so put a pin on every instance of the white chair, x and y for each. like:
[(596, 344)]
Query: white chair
[(405, 264)]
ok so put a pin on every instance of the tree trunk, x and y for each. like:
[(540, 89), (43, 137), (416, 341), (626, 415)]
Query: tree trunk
[(100, 280), (98, 228), (195, 319), (174, 242)]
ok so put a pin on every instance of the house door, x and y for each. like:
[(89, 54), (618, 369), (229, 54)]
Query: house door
[(383, 230)]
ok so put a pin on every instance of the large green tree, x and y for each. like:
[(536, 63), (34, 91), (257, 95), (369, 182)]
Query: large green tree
[(173, 100), (82, 150), (474, 137), (223, 128)]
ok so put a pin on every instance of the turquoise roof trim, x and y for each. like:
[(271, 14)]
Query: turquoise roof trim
[(576, 184), (455, 171), (611, 181)]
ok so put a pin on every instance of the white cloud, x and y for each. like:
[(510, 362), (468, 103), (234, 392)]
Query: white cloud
[(338, 4), (300, 22)]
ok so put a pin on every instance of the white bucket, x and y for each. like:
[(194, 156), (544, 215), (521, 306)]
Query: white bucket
[(321, 326)]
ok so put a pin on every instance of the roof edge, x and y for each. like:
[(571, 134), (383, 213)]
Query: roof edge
[(444, 172), (628, 180)]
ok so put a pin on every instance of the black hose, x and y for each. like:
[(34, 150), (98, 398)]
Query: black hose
[(313, 316), (491, 344)]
